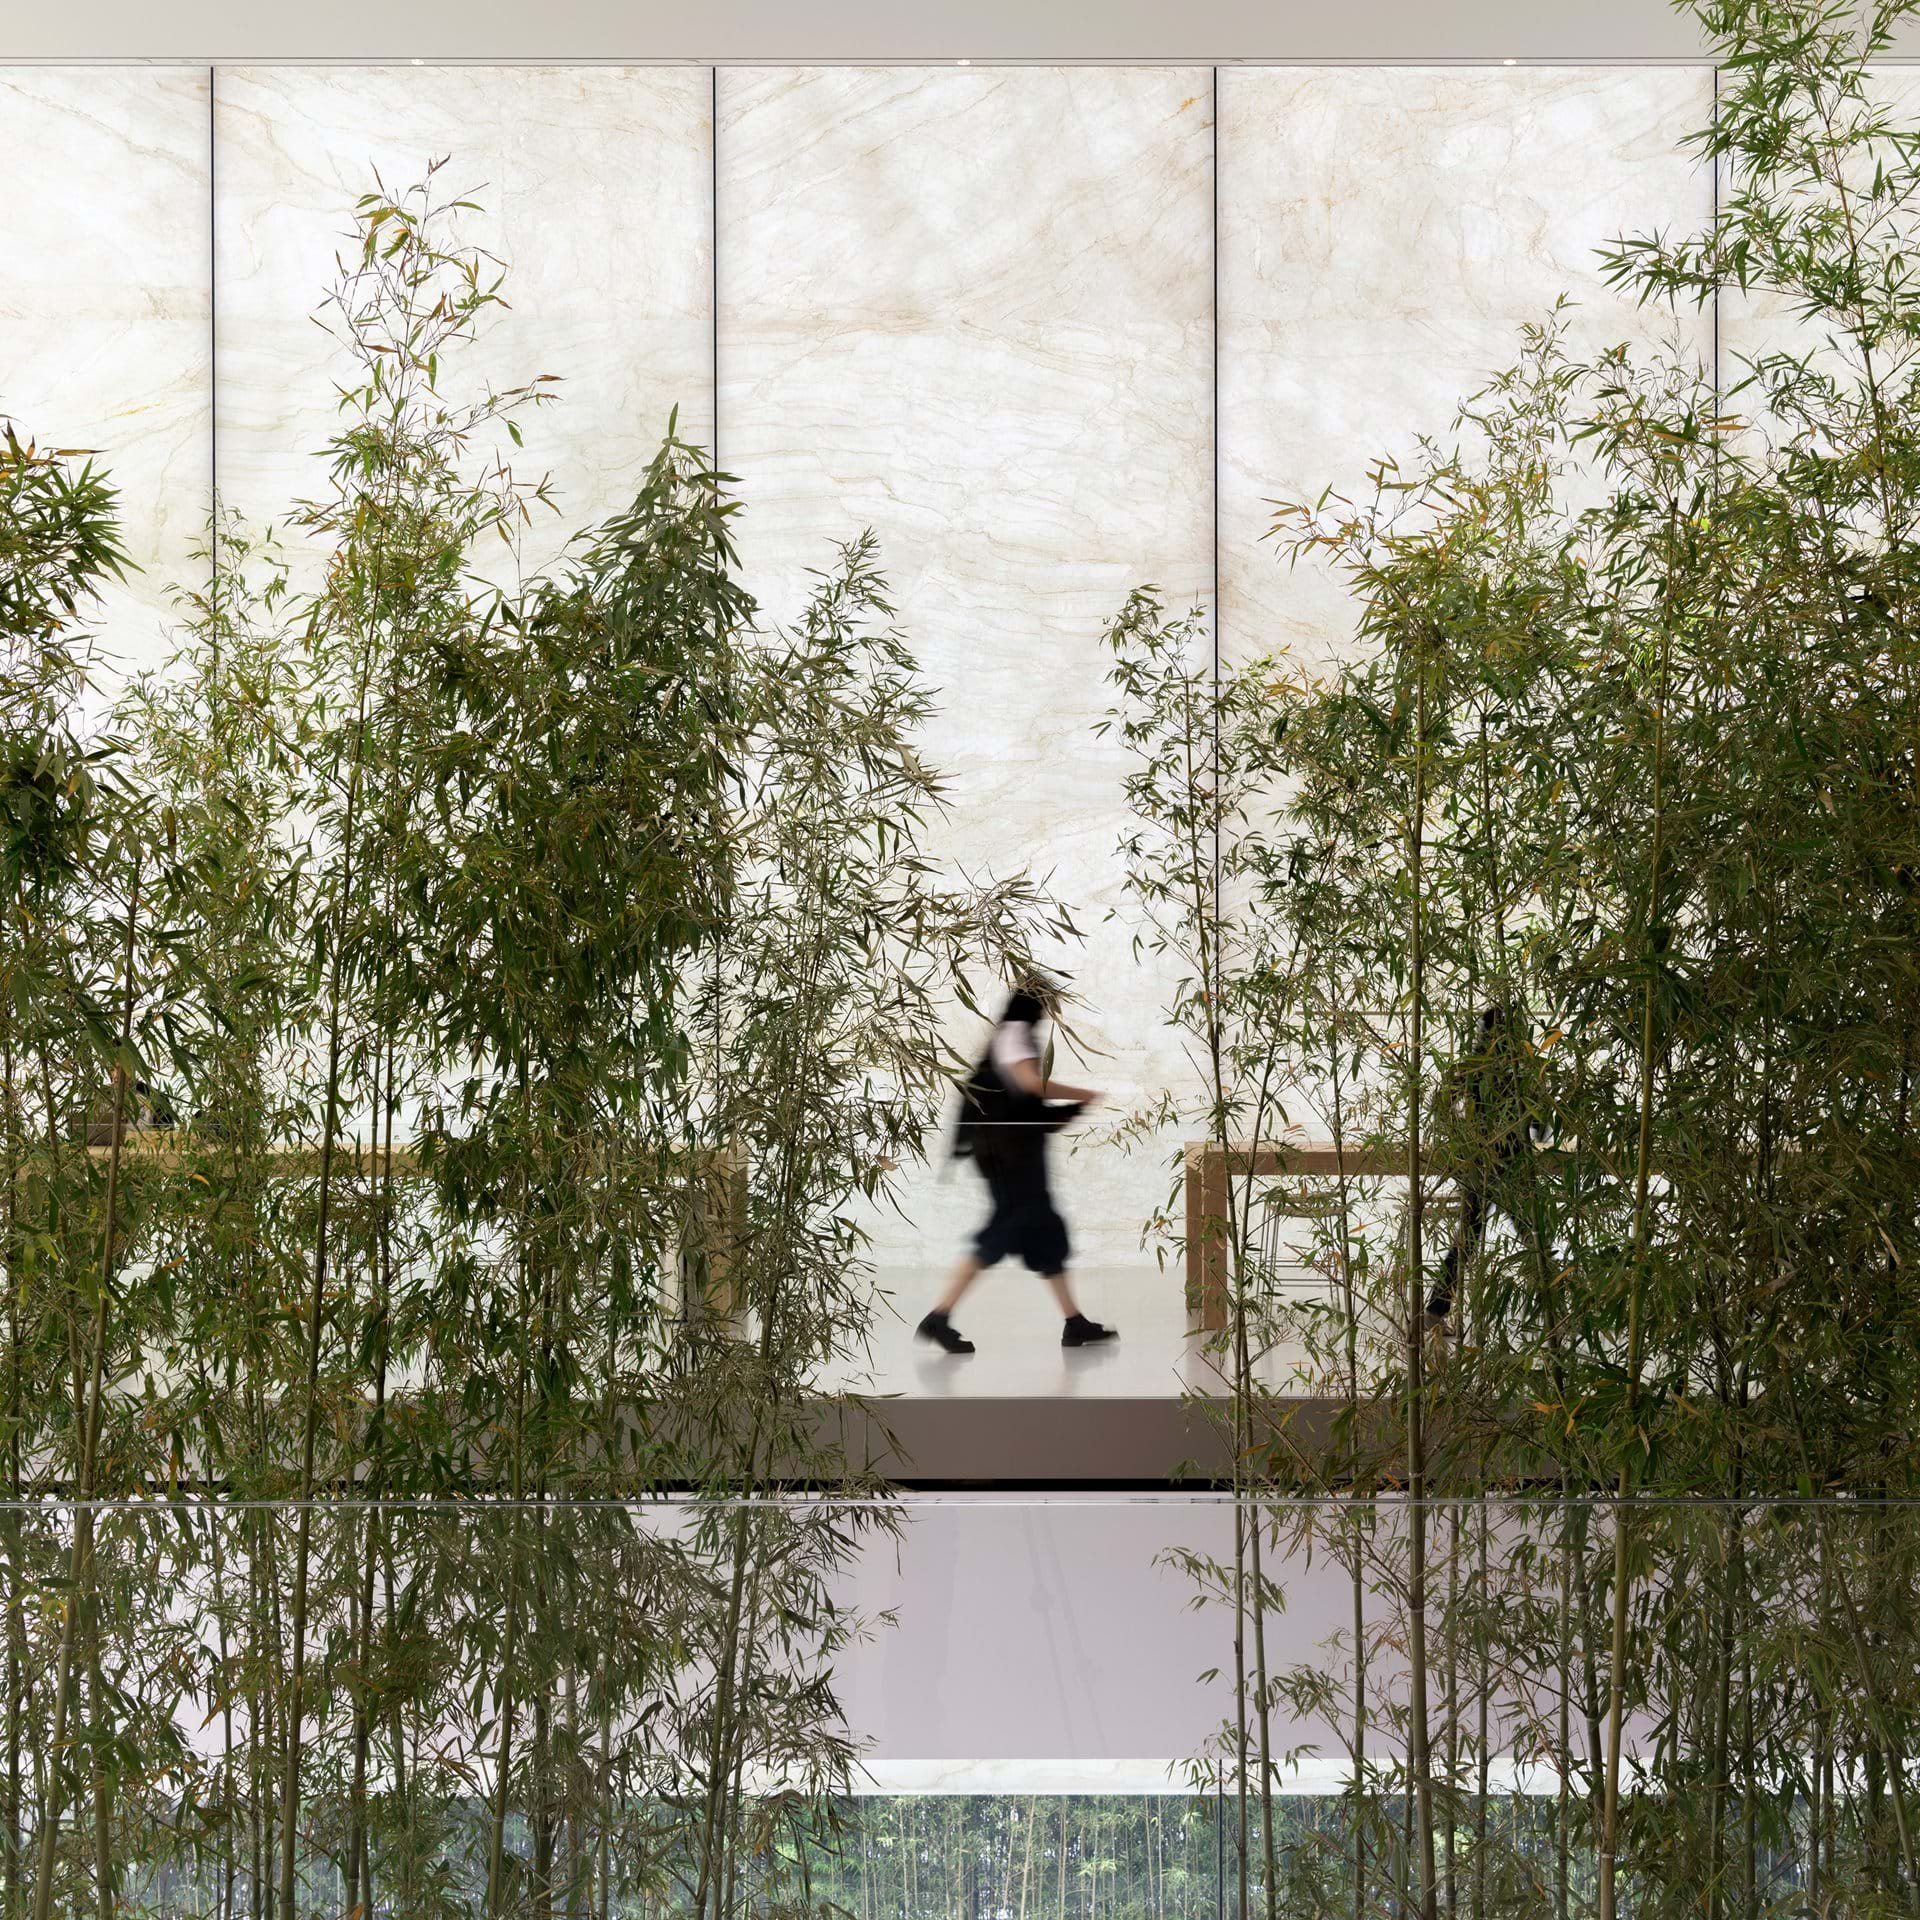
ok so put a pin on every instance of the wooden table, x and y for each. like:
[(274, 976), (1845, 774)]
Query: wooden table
[(1210, 1164), (706, 1266)]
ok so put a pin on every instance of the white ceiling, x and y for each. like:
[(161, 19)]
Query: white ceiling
[(853, 30)]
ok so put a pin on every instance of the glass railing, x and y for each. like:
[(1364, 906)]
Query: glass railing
[(1080, 1706)]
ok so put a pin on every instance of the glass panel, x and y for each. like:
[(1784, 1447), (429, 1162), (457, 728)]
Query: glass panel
[(974, 1705)]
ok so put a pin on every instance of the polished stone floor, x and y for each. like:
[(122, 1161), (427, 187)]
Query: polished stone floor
[(1012, 1320)]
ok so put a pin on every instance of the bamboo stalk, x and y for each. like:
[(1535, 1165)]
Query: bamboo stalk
[(315, 1327), (80, 1561), (1562, 1839), (1451, 1655), (1265, 1720), (11, 1870), (503, 1759), (1350, 1308), (228, 1801), (1483, 1742), (101, 1782), (1026, 1857), (1643, 1169), (359, 1841), (1419, 1755)]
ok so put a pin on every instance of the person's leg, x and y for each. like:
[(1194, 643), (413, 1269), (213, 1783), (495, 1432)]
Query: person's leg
[(989, 1245), (1076, 1330), (1044, 1247), (936, 1326), (1062, 1292), (1466, 1242), (964, 1275)]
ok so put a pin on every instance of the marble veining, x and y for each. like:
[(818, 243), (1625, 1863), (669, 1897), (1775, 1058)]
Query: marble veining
[(104, 311), (973, 311), (1384, 232), (594, 184)]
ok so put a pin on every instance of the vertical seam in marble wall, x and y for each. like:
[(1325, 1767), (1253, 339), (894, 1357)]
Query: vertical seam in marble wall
[(713, 388), (1716, 227), (1218, 609), (213, 333), (713, 239)]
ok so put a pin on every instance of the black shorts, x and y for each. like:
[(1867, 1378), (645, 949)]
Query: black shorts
[(1024, 1220)]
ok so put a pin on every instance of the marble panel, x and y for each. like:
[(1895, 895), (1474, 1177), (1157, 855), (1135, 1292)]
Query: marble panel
[(1384, 231), (104, 309), (972, 311), (595, 190)]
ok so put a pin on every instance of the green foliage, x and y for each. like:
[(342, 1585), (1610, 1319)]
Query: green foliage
[(452, 1017), (1592, 867)]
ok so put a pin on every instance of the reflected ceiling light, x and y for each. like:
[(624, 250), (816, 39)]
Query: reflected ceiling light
[(963, 63), (1509, 63)]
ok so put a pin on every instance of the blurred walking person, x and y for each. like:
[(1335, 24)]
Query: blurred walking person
[(1487, 1126), (1008, 1107)]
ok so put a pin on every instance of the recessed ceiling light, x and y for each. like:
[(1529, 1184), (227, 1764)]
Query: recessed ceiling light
[(419, 63), (1509, 63), (963, 63)]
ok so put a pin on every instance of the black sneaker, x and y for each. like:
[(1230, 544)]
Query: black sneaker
[(938, 1329), (1082, 1332)]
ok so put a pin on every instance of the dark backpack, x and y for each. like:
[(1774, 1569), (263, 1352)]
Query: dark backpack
[(996, 1120)]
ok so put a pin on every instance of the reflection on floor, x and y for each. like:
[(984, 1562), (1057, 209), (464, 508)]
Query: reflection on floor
[(1011, 1318)]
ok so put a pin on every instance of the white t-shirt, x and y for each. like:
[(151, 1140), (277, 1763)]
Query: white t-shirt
[(1012, 1041)]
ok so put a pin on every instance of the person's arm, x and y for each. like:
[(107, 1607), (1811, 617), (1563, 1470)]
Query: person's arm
[(1027, 1078)]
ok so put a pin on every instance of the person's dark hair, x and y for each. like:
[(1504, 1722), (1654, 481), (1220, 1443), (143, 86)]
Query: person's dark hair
[(1502, 1022), (1024, 1004)]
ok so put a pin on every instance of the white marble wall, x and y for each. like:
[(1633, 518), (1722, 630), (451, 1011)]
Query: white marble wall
[(1383, 233), (595, 189), (104, 295), (973, 311)]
